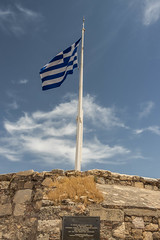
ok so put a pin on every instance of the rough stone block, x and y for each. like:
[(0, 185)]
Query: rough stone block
[(4, 199), (138, 222), (147, 236), (28, 185), (158, 213), (100, 180), (99, 212), (147, 219), (4, 185), (25, 173), (47, 182), (22, 196), (137, 234), (19, 210), (151, 227), (5, 209), (155, 188), (43, 237), (48, 225), (139, 184), (38, 194), (58, 171), (148, 186), (125, 177), (140, 212), (119, 232), (128, 227), (156, 235), (114, 215), (38, 205)]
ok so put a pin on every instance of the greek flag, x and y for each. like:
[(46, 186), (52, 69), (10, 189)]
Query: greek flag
[(55, 72)]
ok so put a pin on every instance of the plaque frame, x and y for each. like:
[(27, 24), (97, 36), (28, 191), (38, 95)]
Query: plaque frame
[(80, 228)]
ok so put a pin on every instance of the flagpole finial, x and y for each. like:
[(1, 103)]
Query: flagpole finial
[(83, 23)]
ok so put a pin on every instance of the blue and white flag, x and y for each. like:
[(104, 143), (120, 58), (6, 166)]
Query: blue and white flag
[(55, 72)]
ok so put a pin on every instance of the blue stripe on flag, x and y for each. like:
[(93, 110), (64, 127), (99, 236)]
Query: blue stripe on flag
[(49, 77), (54, 85), (55, 72)]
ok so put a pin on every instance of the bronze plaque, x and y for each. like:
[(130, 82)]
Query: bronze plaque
[(80, 228)]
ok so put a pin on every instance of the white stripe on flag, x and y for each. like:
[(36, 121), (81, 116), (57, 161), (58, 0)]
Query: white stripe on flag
[(56, 80), (58, 70)]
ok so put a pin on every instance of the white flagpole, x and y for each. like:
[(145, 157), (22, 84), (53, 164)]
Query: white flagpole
[(79, 141)]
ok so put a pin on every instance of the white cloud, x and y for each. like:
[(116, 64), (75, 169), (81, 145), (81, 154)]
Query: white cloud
[(23, 81), (9, 154), (14, 105), (5, 14), (27, 12), (152, 129), (138, 131), (97, 151), (24, 124), (50, 136), (13, 101), (17, 19), (146, 109), (151, 12), (106, 117)]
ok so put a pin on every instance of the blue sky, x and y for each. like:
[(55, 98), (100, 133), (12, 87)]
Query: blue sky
[(121, 86)]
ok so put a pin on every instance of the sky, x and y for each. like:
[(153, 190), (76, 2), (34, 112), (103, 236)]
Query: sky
[(121, 101)]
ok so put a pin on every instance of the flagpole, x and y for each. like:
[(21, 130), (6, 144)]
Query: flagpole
[(79, 140)]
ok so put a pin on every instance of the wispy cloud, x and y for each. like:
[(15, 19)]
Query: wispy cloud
[(13, 99), (27, 12), (18, 19), (152, 129), (50, 136), (10, 154), (151, 12), (146, 109), (5, 14), (23, 81), (14, 105)]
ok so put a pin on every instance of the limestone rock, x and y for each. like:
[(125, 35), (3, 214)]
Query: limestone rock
[(4, 185), (156, 235), (38, 194), (5, 209), (19, 210), (28, 185), (22, 196), (148, 186), (147, 236), (98, 212), (47, 182), (152, 227), (137, 234), (138, 222), (25, 173), (48, 225), (114, 215), (4, 199), (38, 205), (139, 184), (43, 237), (119, 232), (58, 171)]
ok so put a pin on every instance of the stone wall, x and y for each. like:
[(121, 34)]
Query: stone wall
[(27, 214)]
